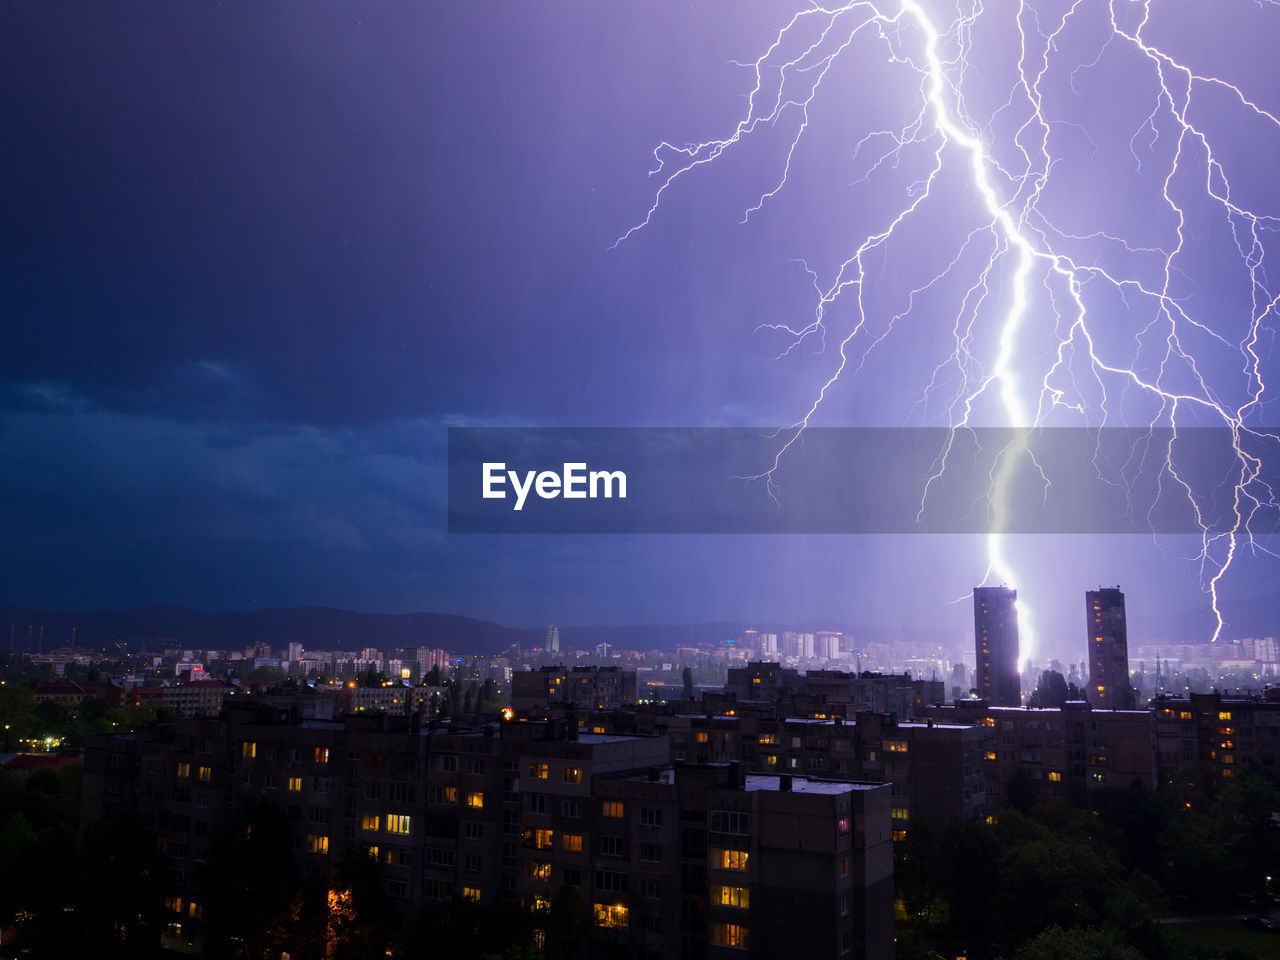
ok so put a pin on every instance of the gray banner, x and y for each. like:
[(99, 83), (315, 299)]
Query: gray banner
[(861, 480)]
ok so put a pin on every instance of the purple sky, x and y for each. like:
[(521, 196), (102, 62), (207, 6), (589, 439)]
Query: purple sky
[(257, 258)]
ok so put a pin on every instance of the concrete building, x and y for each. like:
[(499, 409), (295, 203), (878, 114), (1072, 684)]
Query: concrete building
[(1216, 736), (995, 635), (1108, 640), (584, 688), (695, 860), (1050, 752)]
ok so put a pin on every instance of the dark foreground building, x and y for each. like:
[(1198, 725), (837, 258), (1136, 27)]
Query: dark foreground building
[(995, 638), (684, 861)]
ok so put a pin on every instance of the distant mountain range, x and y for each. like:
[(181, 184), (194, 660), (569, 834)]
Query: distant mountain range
[(325, 628)]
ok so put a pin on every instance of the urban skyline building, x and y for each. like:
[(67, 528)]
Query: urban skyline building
[(1108, 649), (995, 638)]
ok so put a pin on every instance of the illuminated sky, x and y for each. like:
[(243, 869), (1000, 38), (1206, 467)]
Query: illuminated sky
[(257, 259)]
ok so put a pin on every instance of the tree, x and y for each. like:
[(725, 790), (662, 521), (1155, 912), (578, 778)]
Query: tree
[(490, 699), (1050, 691), (1076, 944), (251, 889)]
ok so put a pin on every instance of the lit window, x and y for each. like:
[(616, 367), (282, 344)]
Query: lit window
[(248, 749), (613, 915), (900, 813), (612, 808), (372, 851), (842, 825), (991, 754), (206, 773), (371, 821), (295, 784), (471, 894), (397, 823), (1224, 715), (572, 774), (542, 839), (184, 769), (1055, 776), (768, 738), (571, 842), (700, 736), (321, 755), (317, 844), (442, 794), (539, 771), (729, 935), (729, 859), (899, 836), (475, 799), (537, 870), (895, 746), (730, 896)]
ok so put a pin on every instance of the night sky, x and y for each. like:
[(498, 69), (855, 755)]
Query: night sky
[(257, 258)]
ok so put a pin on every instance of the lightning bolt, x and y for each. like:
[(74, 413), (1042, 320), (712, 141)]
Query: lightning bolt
[(1032, 339)]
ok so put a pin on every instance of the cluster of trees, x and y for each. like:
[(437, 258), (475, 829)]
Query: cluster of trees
[(1090, 878)]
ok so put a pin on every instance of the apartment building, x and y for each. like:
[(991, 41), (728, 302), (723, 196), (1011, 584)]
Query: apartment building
[(534, 692), (1051, 751), (1217, 735), (519, 812)]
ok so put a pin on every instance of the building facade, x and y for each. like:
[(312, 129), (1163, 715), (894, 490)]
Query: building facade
[(1108, 640), (995, 635)]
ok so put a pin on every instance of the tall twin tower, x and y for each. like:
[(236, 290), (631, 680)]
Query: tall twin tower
[(995, 636)]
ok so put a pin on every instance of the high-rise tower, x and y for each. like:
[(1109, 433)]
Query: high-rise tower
[(1108, 649), (995, 640), (553, 639)]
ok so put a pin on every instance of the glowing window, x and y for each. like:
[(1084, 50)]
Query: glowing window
[(539, 771), (1055, 776), (613, 915), (397, 823), (571, 842), (729, 859), (572, 774), (295, 784), (184, 769), (729, 935), (320, 755), (537, 870), (896, 746), (768, 738), (612, 808), (475, 799), (248, 749), (899, 836), (206, 773), (317, 844), (371, 821), (471, 894), (727, 896), (1224, 715), (542, 839)]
